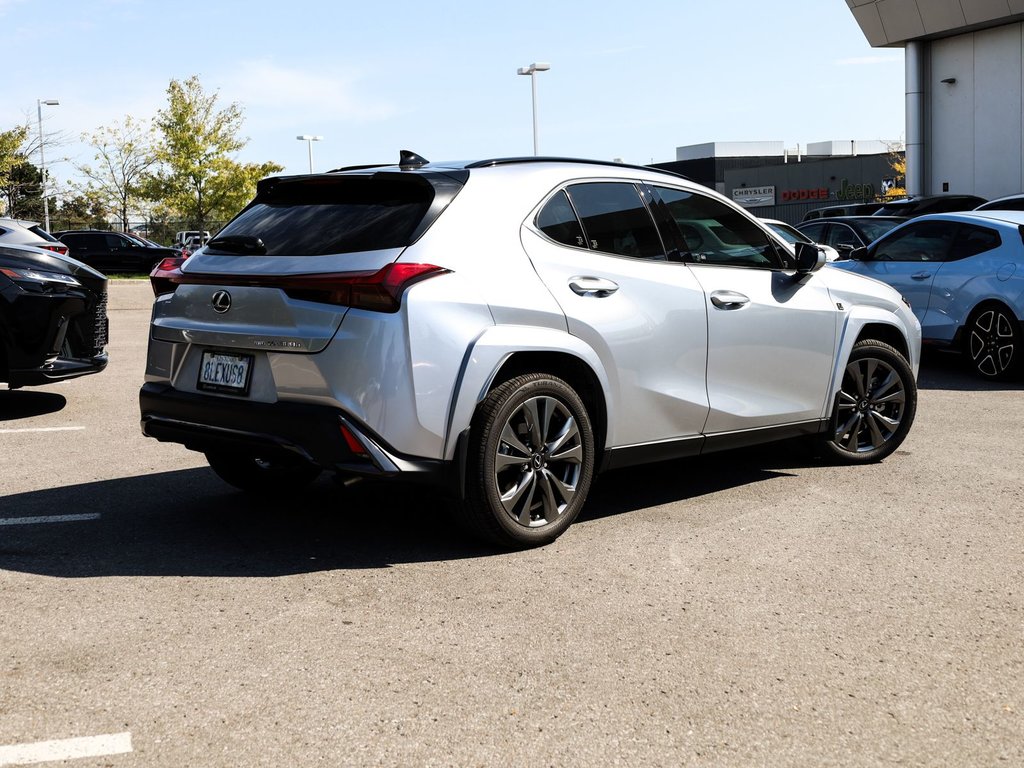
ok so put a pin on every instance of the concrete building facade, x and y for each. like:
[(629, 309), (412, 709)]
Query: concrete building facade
[(964, 90)]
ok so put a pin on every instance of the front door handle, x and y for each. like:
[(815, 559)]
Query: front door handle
[(592, 286), (729, 300), (920, 275)]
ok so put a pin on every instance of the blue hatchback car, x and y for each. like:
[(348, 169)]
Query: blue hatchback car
[(963, 274)]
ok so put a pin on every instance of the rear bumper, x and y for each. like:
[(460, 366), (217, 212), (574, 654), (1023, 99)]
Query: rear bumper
[(315, 432), (59, 370)]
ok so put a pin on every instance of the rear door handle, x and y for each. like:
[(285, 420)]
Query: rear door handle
[(592, 286), (729, 300), (920, 275)]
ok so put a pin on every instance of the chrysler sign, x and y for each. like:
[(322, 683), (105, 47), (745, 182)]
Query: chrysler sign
[(754, 197)]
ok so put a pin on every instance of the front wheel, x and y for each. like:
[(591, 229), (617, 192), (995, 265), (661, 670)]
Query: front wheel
[(254, 474), (530, 462), (993, 342), (875, 406)]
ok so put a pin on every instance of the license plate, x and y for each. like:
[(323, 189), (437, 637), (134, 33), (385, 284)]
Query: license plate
[(225, 372)]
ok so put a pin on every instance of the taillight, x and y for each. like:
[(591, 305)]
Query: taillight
[(162, 278), (380, 291), (57, 247)]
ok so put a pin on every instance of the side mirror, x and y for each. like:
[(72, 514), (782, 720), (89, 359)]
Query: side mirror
[(858, 254), (809, 258)]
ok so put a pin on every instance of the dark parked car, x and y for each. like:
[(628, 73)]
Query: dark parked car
[(844, 233), (113, 251), (850, 209), (919, 206), (53, 317)]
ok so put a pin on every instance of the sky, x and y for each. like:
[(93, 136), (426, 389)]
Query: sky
[(627, 81)]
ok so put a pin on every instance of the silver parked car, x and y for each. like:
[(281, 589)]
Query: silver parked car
[(506, 329), (22, 232)]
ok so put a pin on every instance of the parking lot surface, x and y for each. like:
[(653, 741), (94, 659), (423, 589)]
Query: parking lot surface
[(749, 608)]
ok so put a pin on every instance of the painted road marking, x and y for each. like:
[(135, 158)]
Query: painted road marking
[(48, 519), (40, 429), (66, 749)]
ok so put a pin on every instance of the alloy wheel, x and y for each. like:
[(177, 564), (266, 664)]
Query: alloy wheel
[(991, 343), (871, 405), (538, 462)]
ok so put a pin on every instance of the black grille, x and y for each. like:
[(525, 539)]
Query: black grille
[(100, 325)]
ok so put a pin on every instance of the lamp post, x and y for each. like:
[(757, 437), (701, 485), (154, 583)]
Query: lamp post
[(532, 70), (42, 158), (309, 143)]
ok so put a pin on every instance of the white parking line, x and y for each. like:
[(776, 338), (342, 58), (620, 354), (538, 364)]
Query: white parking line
[(48, 519), (41, 429), (66, 749)]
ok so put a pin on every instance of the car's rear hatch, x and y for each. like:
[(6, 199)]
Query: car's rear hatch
[(284, 272)]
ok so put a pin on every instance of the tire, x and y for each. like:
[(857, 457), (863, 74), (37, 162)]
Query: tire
[(277, 475), (992, 342), (530, 462), (875, 407)]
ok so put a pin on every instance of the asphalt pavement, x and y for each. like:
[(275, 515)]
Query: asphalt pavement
[(758, 607)]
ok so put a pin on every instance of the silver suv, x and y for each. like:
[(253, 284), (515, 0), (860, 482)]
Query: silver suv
[(506, 329)]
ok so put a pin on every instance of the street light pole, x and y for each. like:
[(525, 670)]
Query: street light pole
[(309, 143), (42, 158), (532, 70)]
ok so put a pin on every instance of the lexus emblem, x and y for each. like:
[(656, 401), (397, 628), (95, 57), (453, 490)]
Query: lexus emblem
[(221, 302)]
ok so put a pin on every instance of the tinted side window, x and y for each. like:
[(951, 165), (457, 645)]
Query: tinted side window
[(615, 219), (813, 231), (841, 235), (714, 233), (557, 220), (922, 241), (970, 241)]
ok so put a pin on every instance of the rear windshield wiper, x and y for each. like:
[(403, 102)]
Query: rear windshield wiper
[(243, 244)]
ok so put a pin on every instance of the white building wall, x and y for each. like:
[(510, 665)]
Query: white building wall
[(975, 125)]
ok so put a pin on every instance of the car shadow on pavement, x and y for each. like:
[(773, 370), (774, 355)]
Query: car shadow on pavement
[(189, 523), (22, 404), (950, 371), (649, 485)]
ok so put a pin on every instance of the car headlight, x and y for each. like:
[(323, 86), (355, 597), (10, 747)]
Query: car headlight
[(38, 280)]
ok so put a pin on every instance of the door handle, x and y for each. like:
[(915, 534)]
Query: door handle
[(920, 275), (592, 286), (729, 300)]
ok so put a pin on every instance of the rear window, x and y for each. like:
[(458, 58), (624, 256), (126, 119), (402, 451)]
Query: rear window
[(321, 216)]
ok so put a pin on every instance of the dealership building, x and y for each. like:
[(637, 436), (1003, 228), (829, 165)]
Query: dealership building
[(779, 183), (965, 102)]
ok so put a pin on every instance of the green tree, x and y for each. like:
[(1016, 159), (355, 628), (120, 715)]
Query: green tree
[(897, 158), (85, 210), (22, 191), (197, 175), (14, 175), (124, 154)]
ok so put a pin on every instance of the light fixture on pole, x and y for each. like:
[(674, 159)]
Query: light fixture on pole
[(309, 142), (532, 70), (42, 159)]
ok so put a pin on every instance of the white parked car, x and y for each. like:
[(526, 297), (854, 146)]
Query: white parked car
[(505, 329)]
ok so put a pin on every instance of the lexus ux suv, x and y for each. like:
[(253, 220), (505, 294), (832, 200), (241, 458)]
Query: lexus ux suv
[(507, 328)]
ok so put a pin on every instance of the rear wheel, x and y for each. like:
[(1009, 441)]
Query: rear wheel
[(875, 406), (993, 342), (263, 475), (530, 462)]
